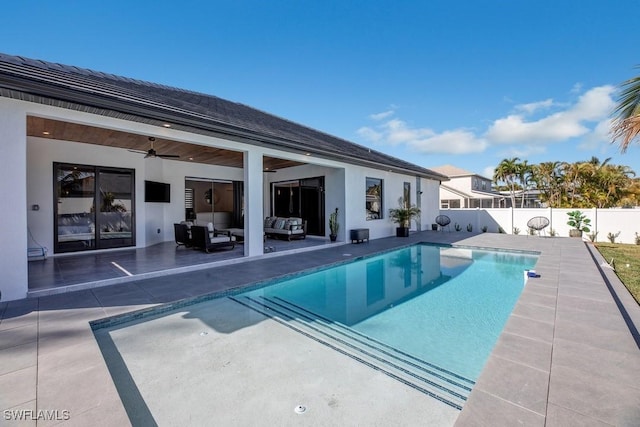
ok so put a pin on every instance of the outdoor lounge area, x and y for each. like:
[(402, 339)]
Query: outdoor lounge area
[(575, 311), (109, 174), (200, 237), (83, 271)]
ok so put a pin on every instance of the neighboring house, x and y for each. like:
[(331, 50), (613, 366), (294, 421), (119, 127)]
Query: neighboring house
[(467, 190), (86, 166)]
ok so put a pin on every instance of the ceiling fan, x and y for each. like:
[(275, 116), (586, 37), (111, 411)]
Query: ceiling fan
[(151, 153)]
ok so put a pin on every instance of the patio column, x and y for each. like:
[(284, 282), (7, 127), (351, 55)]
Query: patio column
[(13, 187), (253, 201)]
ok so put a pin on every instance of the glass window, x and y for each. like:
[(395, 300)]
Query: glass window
[(373, 198), (406, 194)]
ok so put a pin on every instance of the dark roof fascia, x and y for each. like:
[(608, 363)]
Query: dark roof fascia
[(46, 93)]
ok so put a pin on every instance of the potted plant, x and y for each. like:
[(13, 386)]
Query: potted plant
[(402, 216), (579, 222), (333, 225)]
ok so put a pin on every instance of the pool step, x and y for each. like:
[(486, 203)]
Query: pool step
[(425, 377)]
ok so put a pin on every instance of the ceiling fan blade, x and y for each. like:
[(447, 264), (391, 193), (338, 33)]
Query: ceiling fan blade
[(138, 151), (168, 156)]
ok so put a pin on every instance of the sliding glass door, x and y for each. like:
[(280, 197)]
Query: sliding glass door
[(94, 207), (302, 198), (114, 218)]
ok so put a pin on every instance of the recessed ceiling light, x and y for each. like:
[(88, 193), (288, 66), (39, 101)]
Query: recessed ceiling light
[(46, 133), (190, 158), (307, 154), (167, 125)]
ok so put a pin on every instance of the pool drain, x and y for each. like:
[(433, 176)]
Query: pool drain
[(203, 333), (300, 409)]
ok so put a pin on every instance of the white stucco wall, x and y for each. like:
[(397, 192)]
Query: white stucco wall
[(13, 227), (430, 208), (27, 169), (603, 221), (462, 183), (393, 186)]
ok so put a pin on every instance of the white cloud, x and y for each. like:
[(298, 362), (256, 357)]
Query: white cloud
[(519, 134), (535, 106), (369, 134), (381, 116), (599, 138), (593, 106), (577, 88), (458, 141), (523, 151), (396, 132)]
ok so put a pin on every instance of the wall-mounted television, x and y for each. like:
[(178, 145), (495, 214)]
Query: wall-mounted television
[(157, 192)]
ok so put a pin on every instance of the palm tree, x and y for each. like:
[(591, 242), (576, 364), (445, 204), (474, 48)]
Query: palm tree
[(548, 177), (507, 172), (616, 178), (596, 179), (525, 175), (626, 124)]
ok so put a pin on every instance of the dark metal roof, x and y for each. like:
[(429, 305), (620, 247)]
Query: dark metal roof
[(110, 95)]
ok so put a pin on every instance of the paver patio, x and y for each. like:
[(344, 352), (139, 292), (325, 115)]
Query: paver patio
[(569, 354)]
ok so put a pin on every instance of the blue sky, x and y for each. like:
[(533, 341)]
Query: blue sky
[(436, 82)]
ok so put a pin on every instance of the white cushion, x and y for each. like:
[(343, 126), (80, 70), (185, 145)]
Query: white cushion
[(219, 239)]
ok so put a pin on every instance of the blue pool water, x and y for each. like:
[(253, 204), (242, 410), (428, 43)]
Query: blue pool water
[(444, 305)]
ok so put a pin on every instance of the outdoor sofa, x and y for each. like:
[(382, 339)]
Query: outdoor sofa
[(201, 239), (289, 228)]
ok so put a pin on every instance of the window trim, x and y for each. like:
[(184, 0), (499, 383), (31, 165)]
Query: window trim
[(380, 197)]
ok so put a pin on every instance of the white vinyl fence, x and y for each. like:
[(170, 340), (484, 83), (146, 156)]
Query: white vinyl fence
[(603, 221)]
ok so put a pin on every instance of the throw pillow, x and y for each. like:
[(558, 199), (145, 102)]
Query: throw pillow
[(268, 222)]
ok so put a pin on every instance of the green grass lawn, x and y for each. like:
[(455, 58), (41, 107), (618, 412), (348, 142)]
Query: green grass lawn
[(626, 259)]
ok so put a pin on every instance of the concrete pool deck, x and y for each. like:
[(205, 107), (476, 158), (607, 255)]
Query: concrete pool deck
[(569, 354)]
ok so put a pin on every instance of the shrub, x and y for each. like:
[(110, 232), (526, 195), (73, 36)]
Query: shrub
[(484, 228), (637, 239), (501, 230), (457, 227), (578, 221), (592, 236), (516, 230), (469, 228), (612, 237), (553, 232)]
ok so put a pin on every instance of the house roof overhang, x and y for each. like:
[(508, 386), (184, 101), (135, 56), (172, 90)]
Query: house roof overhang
[(133, 100)]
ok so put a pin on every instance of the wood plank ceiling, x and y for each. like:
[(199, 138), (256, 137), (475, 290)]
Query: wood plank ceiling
[(193, 153)]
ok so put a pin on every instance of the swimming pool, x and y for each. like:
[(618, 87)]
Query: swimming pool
[(423, 312)]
